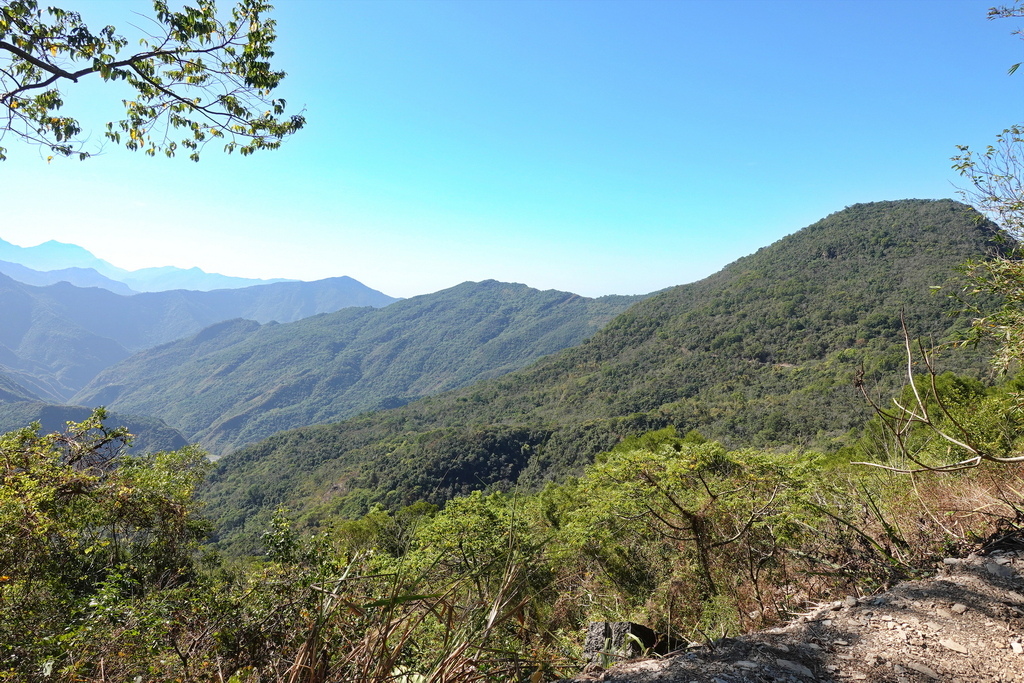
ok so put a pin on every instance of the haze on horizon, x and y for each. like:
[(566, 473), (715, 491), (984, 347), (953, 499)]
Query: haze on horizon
[(602, 148)]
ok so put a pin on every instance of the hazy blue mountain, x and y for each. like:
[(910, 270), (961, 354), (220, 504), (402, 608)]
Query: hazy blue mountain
[(149, 434), (53, 255), (79, 277), (166, 278), (237, 382), (55, 339)]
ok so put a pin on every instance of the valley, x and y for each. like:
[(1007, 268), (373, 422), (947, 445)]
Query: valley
[(574, 446)]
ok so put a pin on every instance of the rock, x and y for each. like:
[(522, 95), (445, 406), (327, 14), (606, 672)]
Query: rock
[(617, 640), (922, 669), (953, 645), (999, 570), (795, 667), (962, 625)]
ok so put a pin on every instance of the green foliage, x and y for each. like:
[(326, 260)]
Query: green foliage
[(996, 190), (945, 423), (100, 578), (199, 73), (87, 532), (688, 522), (763, 354), (1003, 278), (680, 534)]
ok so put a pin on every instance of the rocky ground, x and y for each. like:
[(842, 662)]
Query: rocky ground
[(966, 623)]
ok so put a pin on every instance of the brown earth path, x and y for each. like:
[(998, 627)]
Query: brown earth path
[(964, 624)]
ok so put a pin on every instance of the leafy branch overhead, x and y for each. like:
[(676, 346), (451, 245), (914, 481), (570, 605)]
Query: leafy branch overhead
[(199, 77)]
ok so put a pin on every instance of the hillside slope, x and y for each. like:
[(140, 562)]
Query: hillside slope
[(12, 391), (238, 382), (56, 338), (762, 353)]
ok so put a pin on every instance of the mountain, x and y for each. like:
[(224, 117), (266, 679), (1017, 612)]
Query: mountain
[(763, 353), (11, 391), (55, 339), (238, 382), (53, 255), (79, 277), (149, 434), (164, 278)]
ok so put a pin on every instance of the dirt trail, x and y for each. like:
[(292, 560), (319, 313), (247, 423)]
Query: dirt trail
[(966, 623)]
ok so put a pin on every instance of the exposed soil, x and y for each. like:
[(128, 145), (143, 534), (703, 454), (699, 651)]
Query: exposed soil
[(966, 623)]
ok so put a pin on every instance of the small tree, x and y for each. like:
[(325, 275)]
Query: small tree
[(86, 530), (995, 188), (207, 76)]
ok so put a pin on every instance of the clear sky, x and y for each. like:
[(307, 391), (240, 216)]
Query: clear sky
[(599, 147)]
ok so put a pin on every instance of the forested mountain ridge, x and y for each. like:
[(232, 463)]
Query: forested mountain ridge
[(762, 353), (56, 338), (238, 382)]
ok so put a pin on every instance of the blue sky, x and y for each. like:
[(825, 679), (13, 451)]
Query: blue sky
[(592, 146)]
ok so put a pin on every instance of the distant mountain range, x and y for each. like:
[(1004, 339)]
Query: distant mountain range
[(231, 366), (237, 382), (72, 260), (55, 339), (79, 277)]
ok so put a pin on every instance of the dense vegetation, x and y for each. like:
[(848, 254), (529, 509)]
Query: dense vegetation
[(53, 342), (101, 577), (763, 354), (238, 382)]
